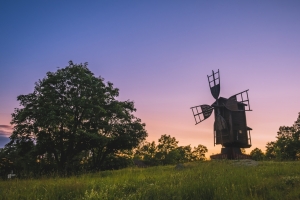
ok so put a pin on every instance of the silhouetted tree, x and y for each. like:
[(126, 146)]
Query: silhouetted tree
[(168, 152), (287, 145), (198, 154), (270, 151), (184, 154), (71, 111), (147, 152), (257, 154)]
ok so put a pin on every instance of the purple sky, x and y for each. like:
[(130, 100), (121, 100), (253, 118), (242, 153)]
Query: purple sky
[(158, 54)]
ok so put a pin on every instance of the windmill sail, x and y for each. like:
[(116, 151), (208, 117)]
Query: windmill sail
[(214, 84), (201, 112), (215, 91), (238, 102)]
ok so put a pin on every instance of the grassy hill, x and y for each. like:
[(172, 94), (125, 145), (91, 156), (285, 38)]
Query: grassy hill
[(200, 180)]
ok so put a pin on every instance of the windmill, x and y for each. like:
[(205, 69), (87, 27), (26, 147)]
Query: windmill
[(230, 126)]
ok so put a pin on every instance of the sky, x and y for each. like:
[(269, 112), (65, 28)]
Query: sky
[(159, 53)]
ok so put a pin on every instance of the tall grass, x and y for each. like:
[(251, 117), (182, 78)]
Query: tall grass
[(202, 180)]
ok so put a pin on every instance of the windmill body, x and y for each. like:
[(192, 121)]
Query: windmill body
[(230, 126), (235, 132)]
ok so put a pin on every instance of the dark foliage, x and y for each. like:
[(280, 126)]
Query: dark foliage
[(72, 121), (168, 152), (257, 154), (287, 145)]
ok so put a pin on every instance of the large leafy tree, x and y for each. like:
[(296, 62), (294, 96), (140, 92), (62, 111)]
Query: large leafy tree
[(71, 111)]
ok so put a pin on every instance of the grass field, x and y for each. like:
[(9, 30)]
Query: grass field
[(200, 180)]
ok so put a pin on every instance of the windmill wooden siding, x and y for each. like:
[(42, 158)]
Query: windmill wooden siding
[(236, 132)]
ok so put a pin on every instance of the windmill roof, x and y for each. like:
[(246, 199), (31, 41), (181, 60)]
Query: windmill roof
[(225, 99)]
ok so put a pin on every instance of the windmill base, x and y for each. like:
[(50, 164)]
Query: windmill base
[(231, 153)]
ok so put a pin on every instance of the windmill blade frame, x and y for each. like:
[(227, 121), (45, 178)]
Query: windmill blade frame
[(214, 83), (201, 112), (233, 102)]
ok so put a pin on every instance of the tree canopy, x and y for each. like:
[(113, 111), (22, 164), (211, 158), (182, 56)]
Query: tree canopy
[(168, 152), (287, 145), (72, 115), (257, 154)]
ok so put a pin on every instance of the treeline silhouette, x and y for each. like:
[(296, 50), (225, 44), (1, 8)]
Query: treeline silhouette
[(286, 146), (72, 122), (26, 162)]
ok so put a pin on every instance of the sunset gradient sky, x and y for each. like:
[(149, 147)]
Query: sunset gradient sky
[(159, 53)]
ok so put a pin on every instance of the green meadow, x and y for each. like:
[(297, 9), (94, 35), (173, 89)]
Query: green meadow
[(198, 180)]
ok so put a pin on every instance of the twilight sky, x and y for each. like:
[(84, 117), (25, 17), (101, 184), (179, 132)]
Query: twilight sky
[(159, 53)]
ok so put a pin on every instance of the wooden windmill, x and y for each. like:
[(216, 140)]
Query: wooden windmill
[(230, 126)]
